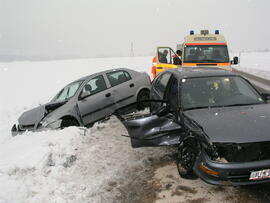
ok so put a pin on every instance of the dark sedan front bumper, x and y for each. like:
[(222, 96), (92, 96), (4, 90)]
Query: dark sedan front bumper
[(229, 173)]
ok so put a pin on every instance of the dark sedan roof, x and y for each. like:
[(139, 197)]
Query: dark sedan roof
[(191, 72)]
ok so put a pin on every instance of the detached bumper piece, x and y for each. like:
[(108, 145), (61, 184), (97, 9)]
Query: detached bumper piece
[(229, 173)]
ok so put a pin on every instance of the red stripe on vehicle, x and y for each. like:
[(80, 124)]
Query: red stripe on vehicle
[(205, 44)]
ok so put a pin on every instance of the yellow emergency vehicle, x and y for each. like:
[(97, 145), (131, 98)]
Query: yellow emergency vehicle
[(203, 49)]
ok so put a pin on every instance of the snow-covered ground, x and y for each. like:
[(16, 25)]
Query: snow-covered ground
[(74, 164), (37, 167), (256, 63)]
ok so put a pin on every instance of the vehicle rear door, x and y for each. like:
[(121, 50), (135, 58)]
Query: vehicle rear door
[(122, 87), (98, 104), (165, 59)]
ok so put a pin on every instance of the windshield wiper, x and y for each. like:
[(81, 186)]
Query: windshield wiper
[(209, 60), (248, 104), (197, 107), (241, 104)]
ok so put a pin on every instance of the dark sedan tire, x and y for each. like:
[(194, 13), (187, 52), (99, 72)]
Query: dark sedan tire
[(69, 122), (142, 96), (186, 157)]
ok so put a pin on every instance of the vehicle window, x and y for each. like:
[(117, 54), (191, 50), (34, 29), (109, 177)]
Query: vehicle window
[(68, 91), (217, 92), (161, 83), (244, 88), (95, 85), (172, 95), (206, 54), (118, 77), (127, 75), (166, 55)]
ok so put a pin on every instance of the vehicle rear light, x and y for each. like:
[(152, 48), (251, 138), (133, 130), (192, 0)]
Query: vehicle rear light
[(208, 170)]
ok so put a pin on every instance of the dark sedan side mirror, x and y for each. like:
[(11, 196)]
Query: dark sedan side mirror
[(235, 60), (84, 95), (266, 96)]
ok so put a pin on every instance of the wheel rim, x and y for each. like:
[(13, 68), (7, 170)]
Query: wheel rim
[(142, 97), (185, 160)]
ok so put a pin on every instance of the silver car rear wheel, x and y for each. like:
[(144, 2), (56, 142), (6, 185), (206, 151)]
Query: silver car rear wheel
[(142, 96)]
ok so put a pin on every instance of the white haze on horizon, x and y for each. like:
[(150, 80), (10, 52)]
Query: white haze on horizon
[(99, 28)]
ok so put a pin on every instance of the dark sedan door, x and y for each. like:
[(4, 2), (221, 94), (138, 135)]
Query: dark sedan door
[(161, 127), (153, 130), (158, 90), (98, 104)]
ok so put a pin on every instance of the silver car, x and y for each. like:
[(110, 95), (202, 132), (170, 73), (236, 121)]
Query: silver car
[(87, 100)]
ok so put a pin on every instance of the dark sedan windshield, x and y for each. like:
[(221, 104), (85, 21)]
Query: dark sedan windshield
[(206, 54), (217, 92), (67, 92)]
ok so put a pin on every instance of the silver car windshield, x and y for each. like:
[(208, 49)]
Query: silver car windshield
[(67, 92), (211, 92)]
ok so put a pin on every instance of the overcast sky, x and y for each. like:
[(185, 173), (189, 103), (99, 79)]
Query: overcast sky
[(107, 28)]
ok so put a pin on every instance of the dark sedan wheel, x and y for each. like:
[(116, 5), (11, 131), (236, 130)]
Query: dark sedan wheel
[(142, 96), (69, 122), (186, 157)]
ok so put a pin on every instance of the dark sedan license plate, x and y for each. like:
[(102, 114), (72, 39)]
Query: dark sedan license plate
[(258, 175)]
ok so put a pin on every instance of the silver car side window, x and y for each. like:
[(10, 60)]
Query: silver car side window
[(118, 77), (95, 85)]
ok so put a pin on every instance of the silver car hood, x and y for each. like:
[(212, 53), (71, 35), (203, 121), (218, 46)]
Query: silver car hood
[(32, 116)]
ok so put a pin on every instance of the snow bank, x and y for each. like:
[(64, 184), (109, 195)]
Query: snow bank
[(70, 165), (74, 164), (256, 63)]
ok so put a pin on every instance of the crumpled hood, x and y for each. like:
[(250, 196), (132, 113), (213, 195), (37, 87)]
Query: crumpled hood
[(239, 124), (32, 116)]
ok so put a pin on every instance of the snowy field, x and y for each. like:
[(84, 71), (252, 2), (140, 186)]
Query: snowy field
[(256, 63), (74, 164)]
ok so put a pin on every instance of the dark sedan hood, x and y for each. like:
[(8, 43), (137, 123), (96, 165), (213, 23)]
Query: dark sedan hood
[(234, 124), (32, 116)]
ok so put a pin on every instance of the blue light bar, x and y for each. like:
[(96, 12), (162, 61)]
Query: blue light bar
[(191, 32), (217, 32)]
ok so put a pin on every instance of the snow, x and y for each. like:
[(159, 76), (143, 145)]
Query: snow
[(256, 63), (55, 166), (73, 164)]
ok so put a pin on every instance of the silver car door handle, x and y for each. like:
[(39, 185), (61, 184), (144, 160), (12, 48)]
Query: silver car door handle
[(108, 95), (131, 85)]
